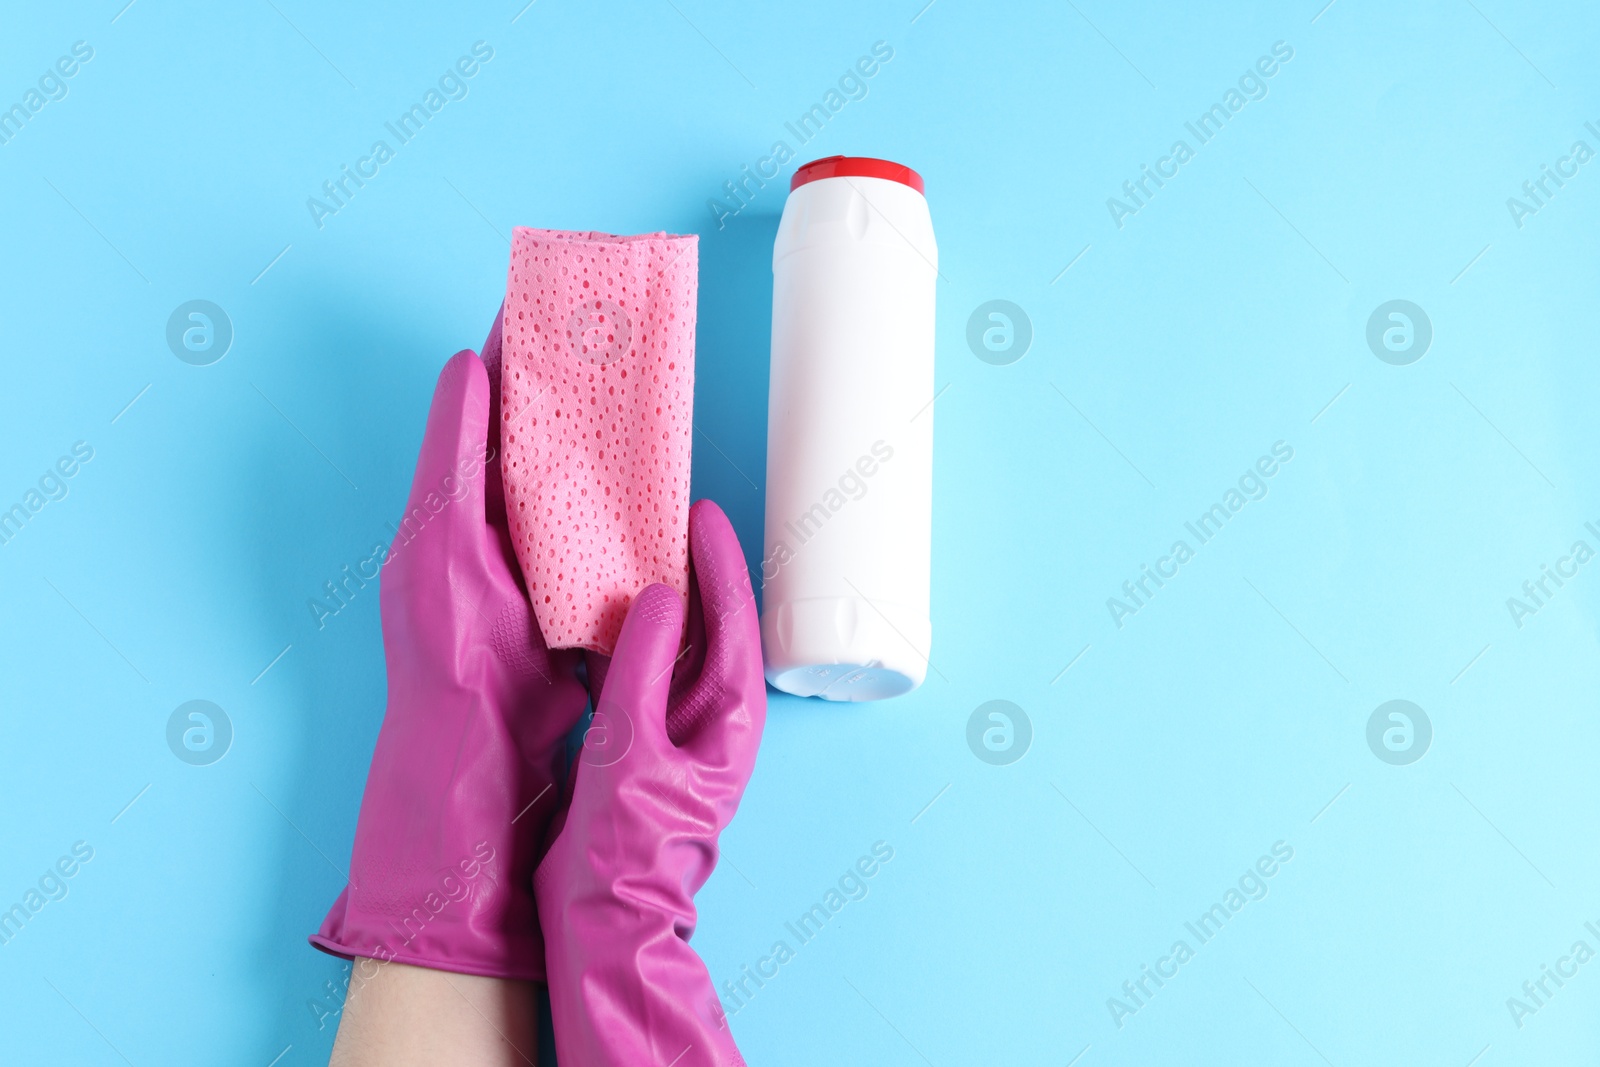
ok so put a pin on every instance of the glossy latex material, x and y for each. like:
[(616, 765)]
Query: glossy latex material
[(659, 776), (463, 782)]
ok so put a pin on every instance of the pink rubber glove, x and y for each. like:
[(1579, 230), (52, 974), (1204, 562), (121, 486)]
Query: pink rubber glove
[(660, 775), (462, 789)]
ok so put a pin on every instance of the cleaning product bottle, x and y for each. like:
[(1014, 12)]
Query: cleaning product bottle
[(849, 510)]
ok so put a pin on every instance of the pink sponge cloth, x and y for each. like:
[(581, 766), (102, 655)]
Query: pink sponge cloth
[(597, 393)]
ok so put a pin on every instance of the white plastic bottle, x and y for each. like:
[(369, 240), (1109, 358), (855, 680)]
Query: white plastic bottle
[(846, 561)]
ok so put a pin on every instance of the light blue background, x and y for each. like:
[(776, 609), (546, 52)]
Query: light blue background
[(1223, 317)]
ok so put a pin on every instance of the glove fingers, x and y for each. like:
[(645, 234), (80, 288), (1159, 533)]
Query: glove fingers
[(450, 466), (493, 484), (691, 662), (632, 708), (722, 576), (732, 676)]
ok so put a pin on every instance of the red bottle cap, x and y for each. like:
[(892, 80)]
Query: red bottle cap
[(855, 167)]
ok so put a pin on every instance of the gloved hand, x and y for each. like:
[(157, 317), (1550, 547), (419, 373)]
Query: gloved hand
[(660, 775), (462, 786)]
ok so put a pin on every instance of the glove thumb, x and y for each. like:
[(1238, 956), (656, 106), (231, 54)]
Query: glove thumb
[(632, 709)]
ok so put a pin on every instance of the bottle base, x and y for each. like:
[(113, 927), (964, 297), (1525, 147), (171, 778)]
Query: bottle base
[(844, 648), (843, 681)]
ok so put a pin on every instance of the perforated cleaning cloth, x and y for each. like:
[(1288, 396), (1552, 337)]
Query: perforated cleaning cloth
[(597, 391)]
